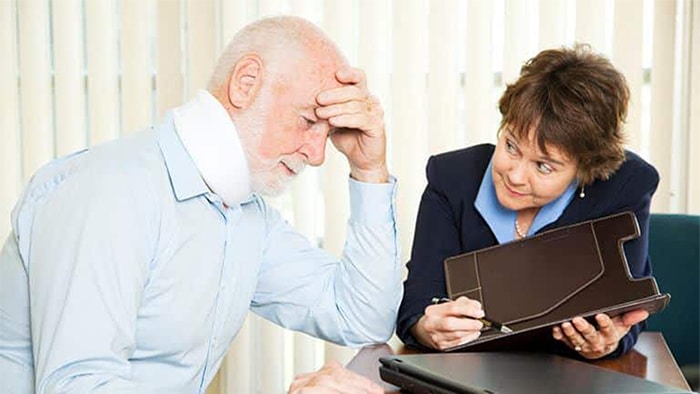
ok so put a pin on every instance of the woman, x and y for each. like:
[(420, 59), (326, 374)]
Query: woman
[(559, 160)]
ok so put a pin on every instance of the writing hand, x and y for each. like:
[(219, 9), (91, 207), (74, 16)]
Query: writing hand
[(449, 324)]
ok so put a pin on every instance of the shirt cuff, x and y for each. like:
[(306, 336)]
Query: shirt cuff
[(372, 202)]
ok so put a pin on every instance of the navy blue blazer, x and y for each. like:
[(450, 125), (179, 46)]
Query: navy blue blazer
[(448, 224)]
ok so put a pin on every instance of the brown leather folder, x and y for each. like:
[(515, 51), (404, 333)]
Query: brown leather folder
[(552, 277)]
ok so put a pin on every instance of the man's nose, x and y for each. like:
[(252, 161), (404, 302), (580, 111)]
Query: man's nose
[(314, 148)]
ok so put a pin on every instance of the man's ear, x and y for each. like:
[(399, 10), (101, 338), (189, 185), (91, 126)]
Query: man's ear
[(246, 81)]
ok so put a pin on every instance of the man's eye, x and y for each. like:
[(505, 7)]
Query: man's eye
[(306, 122)]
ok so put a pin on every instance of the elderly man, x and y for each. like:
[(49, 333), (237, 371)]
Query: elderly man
[(132, 265)]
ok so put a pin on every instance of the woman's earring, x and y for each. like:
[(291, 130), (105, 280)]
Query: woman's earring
[(583, 193)]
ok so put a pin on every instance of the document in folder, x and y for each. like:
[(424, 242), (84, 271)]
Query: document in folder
[(552, 277)]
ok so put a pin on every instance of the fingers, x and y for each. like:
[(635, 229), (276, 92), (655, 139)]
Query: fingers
[(586, 330), (357, 130), (451, 324), (456, 324), (596, 341), (364, 113), (634, 317), (573, 336), (442, 328), (464, 338), (450, 339), (471, 307), (350, 105), (333, 378), (586, 339), (354, 106), (299, 382), (341, 94), (354, 88), (461, 307), (558, 334), (352, 75)]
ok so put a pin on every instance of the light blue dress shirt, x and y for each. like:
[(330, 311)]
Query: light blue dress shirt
[(125, 274), (501, 220)]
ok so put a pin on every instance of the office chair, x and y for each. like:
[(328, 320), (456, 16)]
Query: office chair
[(674, 250)]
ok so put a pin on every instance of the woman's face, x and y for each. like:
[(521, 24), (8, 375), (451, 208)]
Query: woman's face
[(524, 177)]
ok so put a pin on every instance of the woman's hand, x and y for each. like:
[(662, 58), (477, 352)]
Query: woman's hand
[(449, 324), (592, 344)]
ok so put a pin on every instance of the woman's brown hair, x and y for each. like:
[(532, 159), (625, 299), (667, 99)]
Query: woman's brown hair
[(573, 99)]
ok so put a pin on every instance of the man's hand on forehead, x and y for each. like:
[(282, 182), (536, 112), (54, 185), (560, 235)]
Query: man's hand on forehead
[(357, 119)]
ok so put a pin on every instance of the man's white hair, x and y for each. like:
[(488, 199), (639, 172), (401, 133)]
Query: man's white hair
[(273, 39)]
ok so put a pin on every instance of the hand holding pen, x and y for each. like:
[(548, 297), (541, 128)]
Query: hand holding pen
[(445, 325), (487, 322)]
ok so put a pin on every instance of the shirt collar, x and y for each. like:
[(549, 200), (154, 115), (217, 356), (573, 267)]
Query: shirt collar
[(212, 144), (501, 220), (184, 177)]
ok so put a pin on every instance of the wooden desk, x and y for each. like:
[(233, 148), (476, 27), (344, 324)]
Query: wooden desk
[(650, 359)]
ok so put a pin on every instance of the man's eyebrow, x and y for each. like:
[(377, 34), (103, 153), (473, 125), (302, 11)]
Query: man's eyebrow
[(308, 111)]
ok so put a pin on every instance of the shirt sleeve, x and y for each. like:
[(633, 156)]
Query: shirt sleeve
[(86, 246), (351, 301)]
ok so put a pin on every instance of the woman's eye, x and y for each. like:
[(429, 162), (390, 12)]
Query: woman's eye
[(544, 168), (510, 147)]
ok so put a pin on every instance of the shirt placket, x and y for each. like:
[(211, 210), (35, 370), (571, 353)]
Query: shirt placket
[(223, 297)]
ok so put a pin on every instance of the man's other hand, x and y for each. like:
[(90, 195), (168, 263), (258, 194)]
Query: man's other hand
[(333, 378)]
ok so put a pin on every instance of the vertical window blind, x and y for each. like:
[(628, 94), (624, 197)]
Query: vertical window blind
[(75, 73)]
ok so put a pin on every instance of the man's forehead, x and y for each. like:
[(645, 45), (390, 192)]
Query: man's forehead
[(318, 74), (323, 85)]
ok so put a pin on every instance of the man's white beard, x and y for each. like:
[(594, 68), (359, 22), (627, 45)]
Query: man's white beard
[(266, 178), (273, 181), (270, 189)]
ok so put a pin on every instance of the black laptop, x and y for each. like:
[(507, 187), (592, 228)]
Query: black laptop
[(498, 372)]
